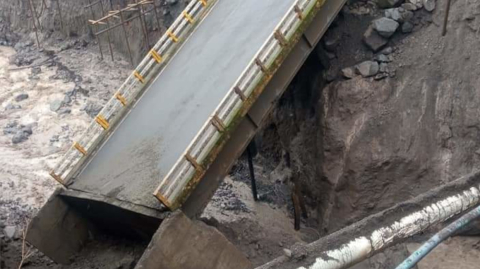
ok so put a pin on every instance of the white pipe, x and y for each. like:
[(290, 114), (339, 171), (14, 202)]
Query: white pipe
[(361, 248)]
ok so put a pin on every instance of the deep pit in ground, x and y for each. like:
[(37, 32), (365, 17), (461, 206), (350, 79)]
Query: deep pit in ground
[(356, 145)]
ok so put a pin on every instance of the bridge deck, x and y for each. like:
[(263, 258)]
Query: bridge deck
[(155, 133)]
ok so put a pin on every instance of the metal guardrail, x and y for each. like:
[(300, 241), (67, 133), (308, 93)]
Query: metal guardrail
[(135, 84), (190, 167)]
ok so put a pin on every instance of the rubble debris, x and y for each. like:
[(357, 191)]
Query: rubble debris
[(331, 41), (367, 68), (373, 40), (417, 3), (92, 109), (385, 27), (429, 5), (407, 27), (12, 107), (10, 232), (22, 134), (56, 105), (21, 97), (382, 58), (348, 72), (409, 6), (389, 3)]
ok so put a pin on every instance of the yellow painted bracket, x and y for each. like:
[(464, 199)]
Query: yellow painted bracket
[(139, 77), (172, 36), (79, 147), (57, 177), (188, 17), (156, 56), (102, 121), (204, 2), (121, 98)]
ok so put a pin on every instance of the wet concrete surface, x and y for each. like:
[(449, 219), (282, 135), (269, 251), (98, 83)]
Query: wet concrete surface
[(130, 165)]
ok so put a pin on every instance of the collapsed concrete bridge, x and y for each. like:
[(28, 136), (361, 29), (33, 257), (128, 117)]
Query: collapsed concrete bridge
[(172, 131)]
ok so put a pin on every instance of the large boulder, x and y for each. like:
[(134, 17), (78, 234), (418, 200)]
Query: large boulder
[(373, 40), (385, 27), (367, 68)]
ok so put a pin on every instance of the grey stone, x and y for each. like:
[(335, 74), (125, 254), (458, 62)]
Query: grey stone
[(429, 5), (92, 109), (388, 3), (385, 27), (287, 252), (21, 97), (331, 74), (382, 58), (56, 105), (54, 139), (387, 50), (331, 41), (368, 68), (394, 14), (407, 27), (373, 40), (380, 76), (13, 106), (348, 72), (19, 137), (36, 70), (64, 110), (383, 67), (27, 129), (10, 128), (171, 2), (409, 6), (67, 99), (10, 232)]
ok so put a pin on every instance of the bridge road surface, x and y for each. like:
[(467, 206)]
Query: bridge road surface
[(155, 133)]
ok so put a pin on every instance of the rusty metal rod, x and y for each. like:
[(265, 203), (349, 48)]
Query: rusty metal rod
[(118, 24), (108, 33), (252, 171), (34, 25), (156, 14), (144, 25), (61, 17), (445, 21), (96, 29), (126, 36)]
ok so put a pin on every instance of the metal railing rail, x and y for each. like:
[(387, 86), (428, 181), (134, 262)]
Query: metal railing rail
[(131, 89), (175, 187)]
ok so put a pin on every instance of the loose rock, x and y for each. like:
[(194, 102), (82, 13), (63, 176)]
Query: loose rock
[(92, 109), (348, 72), (407, 27), (388, 3), (394, 14), (385, 27), (56, 105), (382, 58), (368, 68), (12, 107), (10, 231), (429, 5), (373, 40), (21, 97)]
